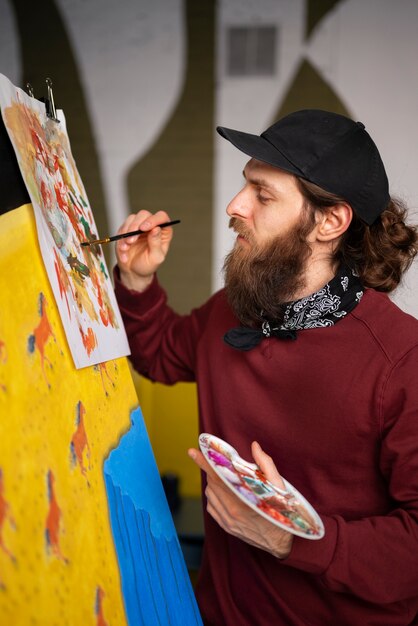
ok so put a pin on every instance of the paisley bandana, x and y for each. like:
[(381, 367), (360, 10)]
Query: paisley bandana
[(321, 309)]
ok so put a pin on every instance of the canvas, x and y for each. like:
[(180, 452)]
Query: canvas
[(78, 275), (86, 536)]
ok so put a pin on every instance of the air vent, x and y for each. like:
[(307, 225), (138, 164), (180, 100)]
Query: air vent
[(251, 51)]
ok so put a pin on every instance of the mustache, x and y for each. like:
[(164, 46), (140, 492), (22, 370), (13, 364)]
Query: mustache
[(240, 228)]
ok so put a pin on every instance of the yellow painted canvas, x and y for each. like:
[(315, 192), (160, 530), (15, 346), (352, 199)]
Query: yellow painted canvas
[(86, 536)]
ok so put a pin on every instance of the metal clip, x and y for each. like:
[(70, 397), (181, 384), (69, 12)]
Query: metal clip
[(49, 102)]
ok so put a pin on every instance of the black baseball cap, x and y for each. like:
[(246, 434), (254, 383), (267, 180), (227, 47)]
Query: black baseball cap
[(327, 149)]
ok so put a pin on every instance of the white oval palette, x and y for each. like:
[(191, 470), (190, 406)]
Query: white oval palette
[(286, 508)]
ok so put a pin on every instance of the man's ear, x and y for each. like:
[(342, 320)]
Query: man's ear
[(334, 222)]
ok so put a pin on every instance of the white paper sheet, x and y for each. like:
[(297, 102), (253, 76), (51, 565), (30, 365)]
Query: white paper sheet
[(78, 275)]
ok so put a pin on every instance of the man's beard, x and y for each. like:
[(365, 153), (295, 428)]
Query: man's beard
[(261, 279)]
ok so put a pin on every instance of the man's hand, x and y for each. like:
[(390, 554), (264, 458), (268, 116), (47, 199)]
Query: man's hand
[(140, 256), (238, 519)]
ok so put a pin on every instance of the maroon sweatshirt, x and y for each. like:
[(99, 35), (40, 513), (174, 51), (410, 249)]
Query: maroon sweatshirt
[(337, 410)]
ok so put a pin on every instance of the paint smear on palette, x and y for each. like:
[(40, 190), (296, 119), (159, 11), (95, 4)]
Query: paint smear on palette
[(78, 275)]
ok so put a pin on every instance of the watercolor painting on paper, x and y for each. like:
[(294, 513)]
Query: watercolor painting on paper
[(78, 275)]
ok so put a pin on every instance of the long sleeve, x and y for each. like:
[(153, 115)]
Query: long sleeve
[(163, 343), (376, 557)]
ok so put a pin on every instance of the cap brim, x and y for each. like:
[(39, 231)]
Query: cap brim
[(258, 148)]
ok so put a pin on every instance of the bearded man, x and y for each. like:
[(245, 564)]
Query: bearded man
[(303, 361)]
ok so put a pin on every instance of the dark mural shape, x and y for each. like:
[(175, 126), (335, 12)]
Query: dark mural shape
[(47, 52), (308, 89), (316, 11), (176, 175)]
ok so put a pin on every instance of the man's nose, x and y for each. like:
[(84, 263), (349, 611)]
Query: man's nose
[(240, 205)]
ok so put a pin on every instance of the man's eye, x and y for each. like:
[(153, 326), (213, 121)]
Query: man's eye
[(263, 199)]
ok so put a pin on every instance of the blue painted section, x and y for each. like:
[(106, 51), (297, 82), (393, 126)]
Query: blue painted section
[(155, 583)]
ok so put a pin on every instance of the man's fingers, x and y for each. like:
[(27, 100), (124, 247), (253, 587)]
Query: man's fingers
[(200, 460), (143, 220), (156, 240), (131, 223), (159, 241), (266, 464), (263, 460), (153, 220), (212, 476), (123, 228), (217, 508)]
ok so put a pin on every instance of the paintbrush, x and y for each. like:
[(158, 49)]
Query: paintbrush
[(124, 235)]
